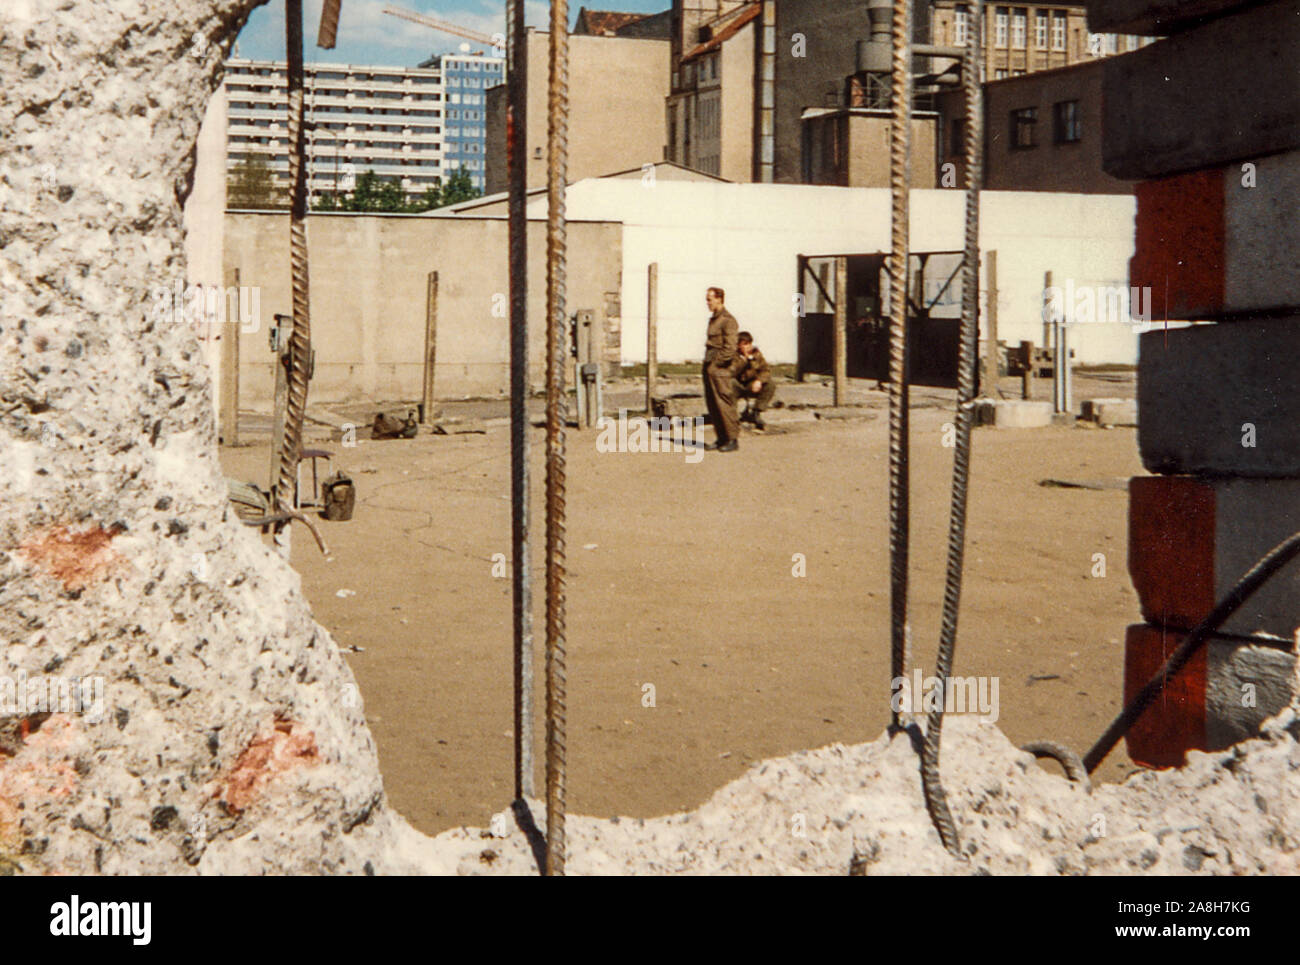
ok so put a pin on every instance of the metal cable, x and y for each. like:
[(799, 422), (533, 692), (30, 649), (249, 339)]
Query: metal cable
[(300, 340), (1255, 577), (936, 801), (521, 588), (556, 416), (1074, 768), (899, 164)]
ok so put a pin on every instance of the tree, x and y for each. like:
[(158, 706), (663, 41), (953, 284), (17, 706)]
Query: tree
[(252, 185), (459, 187)]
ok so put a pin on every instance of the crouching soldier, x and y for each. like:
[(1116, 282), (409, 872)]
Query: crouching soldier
[(754, 380)]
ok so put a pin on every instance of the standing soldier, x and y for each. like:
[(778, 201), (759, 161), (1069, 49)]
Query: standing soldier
[(754, 380), (721, 362)]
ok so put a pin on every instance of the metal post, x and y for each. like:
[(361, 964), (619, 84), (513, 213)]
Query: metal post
[(430, 346), (991, 353), (556, 697), (1027, 374), (522, 590), (230, 371), (841, 330), (652, 338), (899, 176)]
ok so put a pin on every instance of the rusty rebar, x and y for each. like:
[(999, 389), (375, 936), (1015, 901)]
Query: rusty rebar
[(936, 800), (300, 339), (899, 174), (556, 416)]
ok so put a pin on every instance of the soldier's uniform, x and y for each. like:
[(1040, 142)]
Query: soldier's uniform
[(755, 367), (721, 361)]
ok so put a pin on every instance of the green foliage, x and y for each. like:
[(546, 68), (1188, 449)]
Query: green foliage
[(459, 188), (373, 193)]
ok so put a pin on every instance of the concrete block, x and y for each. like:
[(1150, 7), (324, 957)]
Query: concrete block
[(1221, 399), (1221, 696), (1013, 414), (1191, 540), (1244, 686), (1110, 412), (1220, 241), (1154, 18), (1205, 97)]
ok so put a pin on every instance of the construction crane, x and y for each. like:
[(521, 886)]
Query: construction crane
[(443, 25)]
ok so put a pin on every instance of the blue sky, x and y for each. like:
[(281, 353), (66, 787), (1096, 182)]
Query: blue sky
[(368, 36)]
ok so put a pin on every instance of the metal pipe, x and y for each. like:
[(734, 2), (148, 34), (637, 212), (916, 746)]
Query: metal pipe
[(521, 577), (556, 416)]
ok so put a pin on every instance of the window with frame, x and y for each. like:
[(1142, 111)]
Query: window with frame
[(1000, 27), (1018, 20), (1023, 123), (1058, 30), (958, 145), (1067, 125), (960, 26), (1040, 31), (1000, 73)]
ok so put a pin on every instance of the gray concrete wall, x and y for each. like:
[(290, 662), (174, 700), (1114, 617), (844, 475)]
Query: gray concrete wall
[(368, 299)]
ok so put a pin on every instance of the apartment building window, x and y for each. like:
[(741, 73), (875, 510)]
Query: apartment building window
[(958, 145), (1040, 30), (1000, 74), (1000, 27), (1023, 122), (1058, 30), (1018, 29), (960, 26), (1066, 124)]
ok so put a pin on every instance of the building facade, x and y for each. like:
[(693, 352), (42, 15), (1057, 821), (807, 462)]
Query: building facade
[(617, 87), (1042, 132), (414, 125), (1019, 40), (748, 78), (466, 80)]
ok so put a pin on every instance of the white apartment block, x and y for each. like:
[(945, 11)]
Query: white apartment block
[(395, 121)]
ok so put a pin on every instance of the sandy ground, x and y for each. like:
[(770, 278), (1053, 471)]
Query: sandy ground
[(680, 576)]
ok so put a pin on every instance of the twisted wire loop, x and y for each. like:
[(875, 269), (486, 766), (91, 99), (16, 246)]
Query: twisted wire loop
[(899, 174), (300, 340), (936, 800), (1264, 569), (556, 416), (521, 584), (1067, 758)]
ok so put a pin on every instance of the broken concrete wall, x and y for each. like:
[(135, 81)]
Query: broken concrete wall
[(229, 736)]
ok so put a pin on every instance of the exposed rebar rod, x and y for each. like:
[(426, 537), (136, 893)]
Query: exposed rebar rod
[(556, 416), (521, 587), (1259, 574), (936, 801), (899, 174), (300, 339)]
